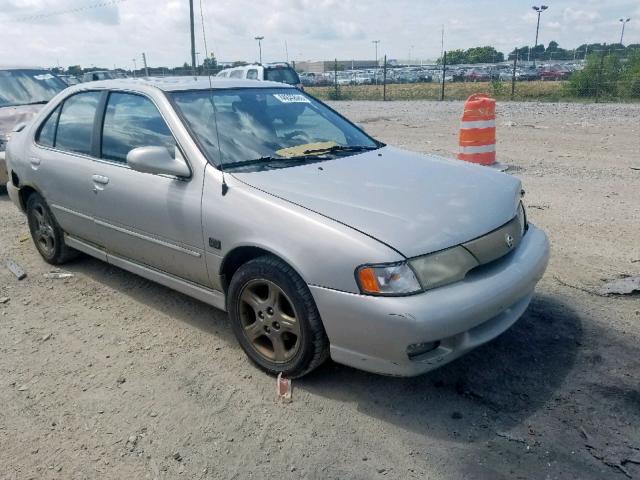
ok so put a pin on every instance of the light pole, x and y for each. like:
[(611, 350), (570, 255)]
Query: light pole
[(410, 52), (624, 21), (135, 67), (539, 10), (259, 39), (376, 42)]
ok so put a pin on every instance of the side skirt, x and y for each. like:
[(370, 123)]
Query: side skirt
[(211, 297)]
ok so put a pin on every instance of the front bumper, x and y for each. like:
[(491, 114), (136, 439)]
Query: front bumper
[(373, 333)]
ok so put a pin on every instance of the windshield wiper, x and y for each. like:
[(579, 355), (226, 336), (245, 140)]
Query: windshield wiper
[(39, 102), (270, 161), (342, 148)]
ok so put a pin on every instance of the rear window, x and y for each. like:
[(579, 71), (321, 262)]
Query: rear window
[(282, 75)]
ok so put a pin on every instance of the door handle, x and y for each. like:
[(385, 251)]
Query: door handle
[(35, 162), (102, 180)]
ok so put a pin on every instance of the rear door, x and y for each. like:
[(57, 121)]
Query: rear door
[(63, 166), (152, 219)]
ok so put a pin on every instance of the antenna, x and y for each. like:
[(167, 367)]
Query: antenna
[(225, 187)]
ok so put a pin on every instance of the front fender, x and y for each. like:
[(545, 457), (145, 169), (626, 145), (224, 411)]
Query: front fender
[(323, 252)]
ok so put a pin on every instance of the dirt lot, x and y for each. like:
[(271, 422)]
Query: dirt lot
[(107, 375)]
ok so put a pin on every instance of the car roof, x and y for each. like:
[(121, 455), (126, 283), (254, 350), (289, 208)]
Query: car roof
[(21, 67), (173, 84)]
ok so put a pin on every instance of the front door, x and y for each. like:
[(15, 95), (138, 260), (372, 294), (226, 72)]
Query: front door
[(151, 219)]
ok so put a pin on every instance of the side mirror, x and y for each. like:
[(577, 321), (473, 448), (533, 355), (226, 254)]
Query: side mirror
[(158, 160)]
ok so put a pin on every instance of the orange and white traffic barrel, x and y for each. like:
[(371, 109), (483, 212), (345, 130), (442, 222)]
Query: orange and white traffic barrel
[(478, 130)]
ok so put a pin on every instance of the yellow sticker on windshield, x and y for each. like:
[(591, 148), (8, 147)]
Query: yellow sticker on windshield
[(291, 98)]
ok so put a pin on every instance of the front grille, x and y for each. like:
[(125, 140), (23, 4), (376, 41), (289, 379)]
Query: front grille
[(496, 244)]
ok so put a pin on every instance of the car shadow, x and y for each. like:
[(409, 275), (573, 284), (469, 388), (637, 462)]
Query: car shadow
[(158, 297), (490, 389)]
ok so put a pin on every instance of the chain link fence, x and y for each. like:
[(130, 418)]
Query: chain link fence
[(601, 76)]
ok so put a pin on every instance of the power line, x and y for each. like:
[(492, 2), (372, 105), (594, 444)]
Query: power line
[(102, 4), (204, 35)]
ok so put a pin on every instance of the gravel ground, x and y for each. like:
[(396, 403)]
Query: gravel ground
[(107, 375)]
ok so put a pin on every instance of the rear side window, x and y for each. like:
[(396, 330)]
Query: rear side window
[(236, 74), (47, 134), (133, 121), (75, 125), (252, 74)]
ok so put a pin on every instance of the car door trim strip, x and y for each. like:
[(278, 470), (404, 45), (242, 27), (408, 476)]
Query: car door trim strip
[(149, 239)]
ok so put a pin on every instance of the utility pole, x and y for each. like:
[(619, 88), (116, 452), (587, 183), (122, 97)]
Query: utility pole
[(144, 62), (259, 39), (193, 38), (624, 21), (539, 10), (135, 67)]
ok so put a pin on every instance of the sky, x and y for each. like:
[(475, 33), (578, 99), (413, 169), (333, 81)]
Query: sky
[(112, 33)]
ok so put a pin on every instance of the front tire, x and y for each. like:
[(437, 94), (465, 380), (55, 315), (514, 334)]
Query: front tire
[(275, 319), (47, 235)]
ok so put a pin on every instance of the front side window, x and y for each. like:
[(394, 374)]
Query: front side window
[(47, 134), (133, 121), (75, 125), (252, 74), (274, 123)]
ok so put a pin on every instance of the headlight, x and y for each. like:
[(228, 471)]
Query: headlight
[(394, 279), (441, 268)]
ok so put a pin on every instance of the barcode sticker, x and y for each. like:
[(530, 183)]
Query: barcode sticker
[(291, 98)]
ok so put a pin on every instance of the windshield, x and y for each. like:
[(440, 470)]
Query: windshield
[(270, 124), (282, 75), (23, 87)]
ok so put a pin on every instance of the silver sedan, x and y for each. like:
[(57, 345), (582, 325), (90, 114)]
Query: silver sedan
[(254, 197)]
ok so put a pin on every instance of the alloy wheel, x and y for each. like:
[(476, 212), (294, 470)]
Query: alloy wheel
[(43, 231), (269, 321)]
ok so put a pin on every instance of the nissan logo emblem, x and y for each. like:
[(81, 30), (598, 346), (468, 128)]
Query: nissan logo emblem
[(508, 239)]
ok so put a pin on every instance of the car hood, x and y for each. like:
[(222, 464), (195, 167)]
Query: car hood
[(414, 203), (11, 116)]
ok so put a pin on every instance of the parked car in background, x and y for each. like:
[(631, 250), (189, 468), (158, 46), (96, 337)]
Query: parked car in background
[(477, 76), (554, 73), (98, 75), (69, 79), (23, 92), (274, 72), (317, 239)]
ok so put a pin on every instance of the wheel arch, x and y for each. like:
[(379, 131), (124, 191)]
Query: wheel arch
[(242, 254), (24, 193)]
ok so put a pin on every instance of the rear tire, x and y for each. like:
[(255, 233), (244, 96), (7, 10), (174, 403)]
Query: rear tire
[(47, 235), (275, 319)]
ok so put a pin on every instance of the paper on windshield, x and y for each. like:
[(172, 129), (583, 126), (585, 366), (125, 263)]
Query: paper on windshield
[(300, 149), (44, 76)]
